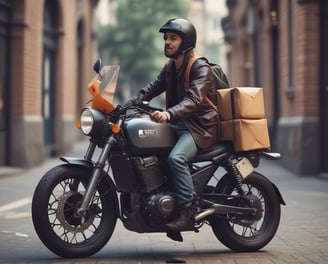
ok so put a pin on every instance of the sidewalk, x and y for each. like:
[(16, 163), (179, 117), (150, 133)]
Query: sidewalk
[(77, 151), (10, 171)]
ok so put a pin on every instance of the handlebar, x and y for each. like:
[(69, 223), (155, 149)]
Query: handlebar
[(143, 107)]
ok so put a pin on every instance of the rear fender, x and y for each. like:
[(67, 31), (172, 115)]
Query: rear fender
[(279, 194), (89, 165), (225, 184)]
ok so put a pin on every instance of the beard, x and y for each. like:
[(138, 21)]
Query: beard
[(170, 55)]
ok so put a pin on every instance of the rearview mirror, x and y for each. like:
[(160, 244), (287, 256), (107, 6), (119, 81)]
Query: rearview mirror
[(97, 66)]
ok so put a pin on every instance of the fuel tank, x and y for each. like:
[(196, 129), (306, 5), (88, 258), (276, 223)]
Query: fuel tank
[(146, 137)]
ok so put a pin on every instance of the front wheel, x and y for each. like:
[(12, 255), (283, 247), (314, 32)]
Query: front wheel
[(248, 233), (55, 200)]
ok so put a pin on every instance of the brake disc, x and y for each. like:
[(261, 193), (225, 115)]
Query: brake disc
[(69, 220)]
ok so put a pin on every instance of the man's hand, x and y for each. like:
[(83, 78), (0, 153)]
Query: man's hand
[(159, 117)]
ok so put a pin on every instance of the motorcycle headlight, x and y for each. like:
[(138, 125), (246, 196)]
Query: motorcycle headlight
[(92, 122)]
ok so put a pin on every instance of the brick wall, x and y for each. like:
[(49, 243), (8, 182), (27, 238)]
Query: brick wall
[(26, 61), (294, 115), (305, 58)]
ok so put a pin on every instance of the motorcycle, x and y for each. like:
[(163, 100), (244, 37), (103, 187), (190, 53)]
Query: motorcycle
[(124, 175)]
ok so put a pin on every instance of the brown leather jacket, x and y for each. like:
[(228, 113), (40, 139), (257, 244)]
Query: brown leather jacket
[(199, 117)]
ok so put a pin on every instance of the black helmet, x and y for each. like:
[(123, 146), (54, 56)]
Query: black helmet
[(183, 28)]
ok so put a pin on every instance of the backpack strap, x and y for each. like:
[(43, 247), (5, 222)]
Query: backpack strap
[(187, 79), (211, 103), (191, 61)]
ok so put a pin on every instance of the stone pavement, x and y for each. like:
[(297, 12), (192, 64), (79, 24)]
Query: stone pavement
[(301, 238)]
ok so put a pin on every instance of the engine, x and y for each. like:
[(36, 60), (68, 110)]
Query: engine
[(159, 207)]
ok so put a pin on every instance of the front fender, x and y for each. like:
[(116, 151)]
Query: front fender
[(77, 161)]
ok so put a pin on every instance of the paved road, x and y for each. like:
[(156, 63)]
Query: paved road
[(301, 238)]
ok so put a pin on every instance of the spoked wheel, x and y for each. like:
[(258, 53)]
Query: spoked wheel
[(54, 206), (248, 232)]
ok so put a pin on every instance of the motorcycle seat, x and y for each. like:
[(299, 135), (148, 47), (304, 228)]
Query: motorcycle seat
[(214, 153)]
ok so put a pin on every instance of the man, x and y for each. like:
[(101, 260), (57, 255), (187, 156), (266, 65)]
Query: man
[(194, 120)]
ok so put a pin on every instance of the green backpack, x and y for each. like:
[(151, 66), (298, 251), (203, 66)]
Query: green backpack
[(219, 77)]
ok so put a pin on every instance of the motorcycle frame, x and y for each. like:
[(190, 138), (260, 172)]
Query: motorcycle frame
[(201, 176)]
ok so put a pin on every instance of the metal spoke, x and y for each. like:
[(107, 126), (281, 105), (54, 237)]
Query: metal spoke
[(61, 205), (244, 227)]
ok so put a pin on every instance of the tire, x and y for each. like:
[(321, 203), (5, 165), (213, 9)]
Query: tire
[(246, 234), (56, 196)]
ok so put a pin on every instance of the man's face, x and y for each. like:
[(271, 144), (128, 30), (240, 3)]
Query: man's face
[(172, 43)]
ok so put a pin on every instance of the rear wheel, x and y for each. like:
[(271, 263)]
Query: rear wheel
[(54, 204), (248, 232)]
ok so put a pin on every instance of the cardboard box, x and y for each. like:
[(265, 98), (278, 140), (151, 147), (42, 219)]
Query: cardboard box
[(251, 134), (240, 103), (246, 134)]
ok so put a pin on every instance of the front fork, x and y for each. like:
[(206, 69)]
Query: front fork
[(96, 173)]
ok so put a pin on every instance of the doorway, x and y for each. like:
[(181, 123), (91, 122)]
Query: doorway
[(49, 73), (5, 17), (324, 84)]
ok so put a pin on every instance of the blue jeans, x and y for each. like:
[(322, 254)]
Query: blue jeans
[(183, 151)]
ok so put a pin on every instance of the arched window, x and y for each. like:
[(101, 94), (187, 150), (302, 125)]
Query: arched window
[(49, 71)]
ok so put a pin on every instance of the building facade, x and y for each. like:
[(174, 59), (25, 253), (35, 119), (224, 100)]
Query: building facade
[(206, 16), (280, 45), (47, 48)]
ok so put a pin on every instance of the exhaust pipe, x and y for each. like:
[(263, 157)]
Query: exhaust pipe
[(225, 209), (204, 214)]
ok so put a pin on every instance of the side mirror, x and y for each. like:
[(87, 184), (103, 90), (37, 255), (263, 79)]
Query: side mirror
[(97, 66)]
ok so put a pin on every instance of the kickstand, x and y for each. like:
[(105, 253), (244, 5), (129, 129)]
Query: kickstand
[(176, 236)]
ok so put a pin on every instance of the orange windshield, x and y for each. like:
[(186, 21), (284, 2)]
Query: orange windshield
[(99, 102)]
